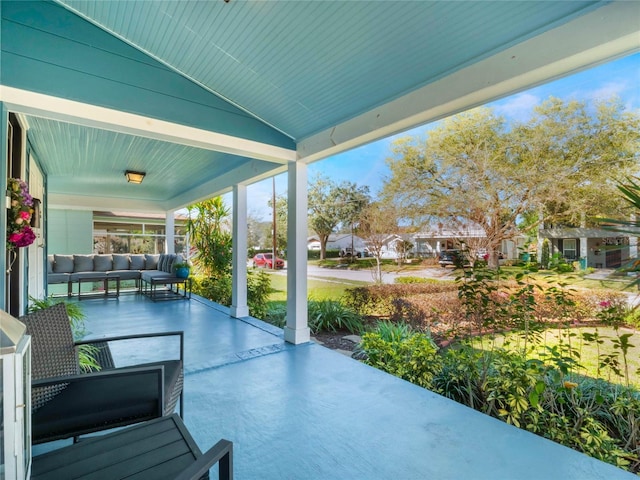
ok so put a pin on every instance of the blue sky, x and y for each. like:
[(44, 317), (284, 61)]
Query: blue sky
[(367, 165)]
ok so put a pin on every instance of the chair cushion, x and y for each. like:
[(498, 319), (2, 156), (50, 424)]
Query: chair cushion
[(147, 275), (53, 278), (171, 260), (162, 262), (83, 263), (137, 262), (151, 262), (103, 263), (120, 261), (62, 263), (50, 262)]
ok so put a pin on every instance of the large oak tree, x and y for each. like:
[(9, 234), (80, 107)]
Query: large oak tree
[(474, 170), (333, 204)]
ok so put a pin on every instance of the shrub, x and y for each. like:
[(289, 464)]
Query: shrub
[(545, 254), (410, 279), (377, 300), (591, 416), (391, 332), (217, 289), (258, 290), (411, 357), (331, 315), (276, 314)]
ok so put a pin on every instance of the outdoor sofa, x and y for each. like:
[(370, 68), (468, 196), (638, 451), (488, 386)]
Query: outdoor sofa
[(69, 269)]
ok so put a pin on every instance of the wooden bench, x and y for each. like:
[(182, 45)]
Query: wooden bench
[(158, 449)]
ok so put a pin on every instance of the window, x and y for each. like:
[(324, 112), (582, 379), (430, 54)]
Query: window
[(569, 249)]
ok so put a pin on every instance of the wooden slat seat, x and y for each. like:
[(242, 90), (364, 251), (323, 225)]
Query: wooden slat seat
[(158, 449)]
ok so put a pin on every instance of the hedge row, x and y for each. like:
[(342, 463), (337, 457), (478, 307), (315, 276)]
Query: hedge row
[(438, 309)]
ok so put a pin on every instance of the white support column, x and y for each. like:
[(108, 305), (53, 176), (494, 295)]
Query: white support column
[(170, 232), (633, 241), (297, 329), (584, 251), (239, 306)]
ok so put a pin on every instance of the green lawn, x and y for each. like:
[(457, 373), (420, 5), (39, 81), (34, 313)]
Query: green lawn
[(589, 351), (575, 279), (330, 288)]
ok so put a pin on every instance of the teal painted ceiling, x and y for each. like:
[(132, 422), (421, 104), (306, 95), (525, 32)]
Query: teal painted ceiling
[(90, 161), (305, 66), (302, 68)]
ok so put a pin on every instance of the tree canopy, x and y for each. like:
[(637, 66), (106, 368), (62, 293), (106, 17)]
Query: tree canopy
[(332, 204), (475, 171)]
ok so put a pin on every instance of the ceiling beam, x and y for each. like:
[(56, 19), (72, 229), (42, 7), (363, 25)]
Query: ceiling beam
[(224, 183), (68, 201), (54, 108), (608, 32)]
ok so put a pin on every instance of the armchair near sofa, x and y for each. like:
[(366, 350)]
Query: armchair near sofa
[(67, 403)]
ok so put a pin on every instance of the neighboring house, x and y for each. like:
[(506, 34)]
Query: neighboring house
[(337, 242), (601, 248), (391, 247), (430, 243)]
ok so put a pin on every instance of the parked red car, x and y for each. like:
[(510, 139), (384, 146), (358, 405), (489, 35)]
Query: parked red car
[(266, 260)]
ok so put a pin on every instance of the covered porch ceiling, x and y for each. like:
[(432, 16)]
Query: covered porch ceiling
[(322, 76)]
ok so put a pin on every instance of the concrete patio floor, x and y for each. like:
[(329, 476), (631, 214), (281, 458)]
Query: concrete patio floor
[(307, 412)]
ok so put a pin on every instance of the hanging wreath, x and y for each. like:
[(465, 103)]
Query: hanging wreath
[(19, 233)]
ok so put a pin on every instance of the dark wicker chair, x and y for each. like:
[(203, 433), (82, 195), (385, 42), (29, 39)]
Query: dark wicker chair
[(68, 403)]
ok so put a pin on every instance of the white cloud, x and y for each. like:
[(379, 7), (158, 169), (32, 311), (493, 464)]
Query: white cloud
[(518, 107), (608, 90)]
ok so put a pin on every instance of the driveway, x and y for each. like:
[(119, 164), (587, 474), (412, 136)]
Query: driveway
[(367, 275)]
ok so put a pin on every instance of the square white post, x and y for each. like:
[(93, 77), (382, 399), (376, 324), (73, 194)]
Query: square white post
[(239, 306), (297, 329), (170, 232)]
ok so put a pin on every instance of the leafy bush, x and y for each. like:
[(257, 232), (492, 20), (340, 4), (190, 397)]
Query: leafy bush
[(331, 315), (409, 279), (258, 290), (377, 300), (276, 314), (632, 317), (217, 289), (391, 332), (591, 416), (545, 254), (408, 355)]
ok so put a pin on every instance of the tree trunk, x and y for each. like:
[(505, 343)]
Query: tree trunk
[(378, 278), (323, 246)]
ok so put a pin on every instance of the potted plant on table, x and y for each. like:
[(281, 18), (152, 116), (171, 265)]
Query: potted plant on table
[(182, 270)]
